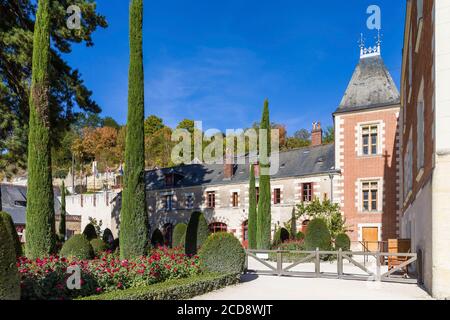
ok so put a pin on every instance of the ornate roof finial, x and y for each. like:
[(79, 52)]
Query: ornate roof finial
[(370, 51)]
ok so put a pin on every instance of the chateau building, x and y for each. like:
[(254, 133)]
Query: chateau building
[(359, 171), (425, 141), (367, 141)]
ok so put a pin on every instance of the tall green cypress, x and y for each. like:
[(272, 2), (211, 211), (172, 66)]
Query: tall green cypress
[(293, 224), (133, 217), (40, 224), (264, 204), (62, 221), (252, 213)]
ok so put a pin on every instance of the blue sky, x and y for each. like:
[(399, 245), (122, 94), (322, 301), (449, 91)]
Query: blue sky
[(216, 61)]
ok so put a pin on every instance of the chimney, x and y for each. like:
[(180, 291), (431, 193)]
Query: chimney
[(228, 166), (316, 134)]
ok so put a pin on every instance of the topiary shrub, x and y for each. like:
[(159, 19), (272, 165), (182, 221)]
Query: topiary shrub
[(280, 236), (108, 238), (89, 232), (300, 236), (99, 246), (222, 252), (343, 242), (9, 275), (179, 235), (77, 246), (196, 233), (291, 256), (9, 225), (157, 238), (318, 235)]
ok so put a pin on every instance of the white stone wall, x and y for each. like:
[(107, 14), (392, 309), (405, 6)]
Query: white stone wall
[(102, 210)]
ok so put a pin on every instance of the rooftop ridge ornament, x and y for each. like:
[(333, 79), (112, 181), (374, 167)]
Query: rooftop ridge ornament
[(366, 52)]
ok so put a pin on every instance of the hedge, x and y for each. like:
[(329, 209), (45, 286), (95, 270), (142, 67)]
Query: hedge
[(99, 246), (77, 246), (9, 275), (90, 232), (222, 252), (179, 235), (342, 241), (9, 225), (318, 235), (177, 289), (157, 238), (196, 233)]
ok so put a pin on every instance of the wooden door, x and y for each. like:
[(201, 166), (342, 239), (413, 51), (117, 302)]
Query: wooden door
[(370, 238)]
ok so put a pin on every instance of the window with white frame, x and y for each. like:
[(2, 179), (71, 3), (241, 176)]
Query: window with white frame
[(408, 168), (369, 140), (420, 128), (419, 9), (410, 62), (370, 195)]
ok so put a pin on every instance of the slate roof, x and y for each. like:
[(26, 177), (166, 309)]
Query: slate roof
[(14, 199), (371, 86), (293, 163)]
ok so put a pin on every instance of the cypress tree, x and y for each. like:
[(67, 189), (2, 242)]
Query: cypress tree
[(40, 221), (62, 222), (293, 224), (264, 215), (252, 213), (134, 219)]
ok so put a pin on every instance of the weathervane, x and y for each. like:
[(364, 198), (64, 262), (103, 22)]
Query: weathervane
[(370, 51)]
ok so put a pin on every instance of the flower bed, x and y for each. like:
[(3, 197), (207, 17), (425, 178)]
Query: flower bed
[(46, 278)]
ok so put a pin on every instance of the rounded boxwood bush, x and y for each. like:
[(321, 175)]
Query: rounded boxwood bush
[(9, 225), (179, 235), (9, 275), (343, 242), (99, 246), (196, 233), (222, 252), (157, 238), (318, 235), (90, 232), (77, 246)]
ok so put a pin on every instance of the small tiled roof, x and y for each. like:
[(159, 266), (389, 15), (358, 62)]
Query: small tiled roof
[(293, 163), (14, 199), (371, 86)]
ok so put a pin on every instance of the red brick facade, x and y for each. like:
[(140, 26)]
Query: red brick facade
[(381, 168)]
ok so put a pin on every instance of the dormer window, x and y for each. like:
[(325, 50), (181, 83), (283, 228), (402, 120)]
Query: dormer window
[(20, 203), (169, 178)]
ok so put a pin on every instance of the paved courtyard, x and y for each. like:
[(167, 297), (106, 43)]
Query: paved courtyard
[(254, 287)]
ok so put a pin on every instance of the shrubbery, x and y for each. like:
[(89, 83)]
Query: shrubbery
[(9, 277), (9, 225), (177, 289), (77, 246), (289, 246), (99, 246), (300, 236), (196, 233), (157, 238), (90, 232), (179, 235), (222, 252), (317, 236), (281, 235), (108, 238), (343, 242)]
